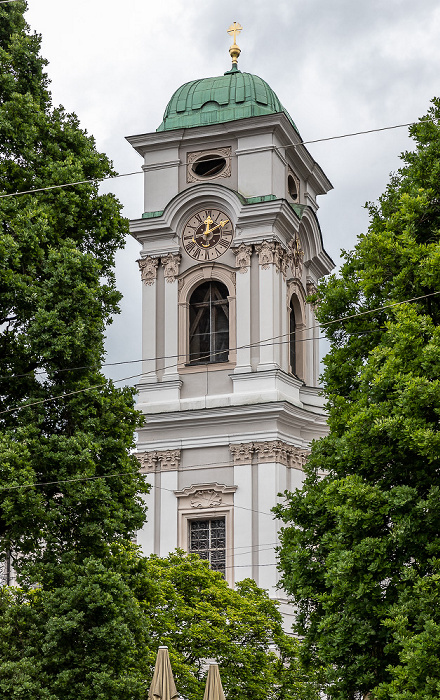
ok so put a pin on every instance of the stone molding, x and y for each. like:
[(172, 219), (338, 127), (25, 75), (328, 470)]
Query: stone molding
[(270, 451), (171, 264), (243, 257), (205, 496), (148, 267), (193, 156), (164, 461)]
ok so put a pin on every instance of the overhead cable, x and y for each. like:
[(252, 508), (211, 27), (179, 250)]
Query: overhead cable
[(259, 343), (288, 145)]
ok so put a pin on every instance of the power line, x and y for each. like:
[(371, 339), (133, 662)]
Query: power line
[(288, 145), (261, 343), (68, 184), (117, 474)]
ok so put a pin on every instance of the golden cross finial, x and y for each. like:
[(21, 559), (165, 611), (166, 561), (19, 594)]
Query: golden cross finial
[(233, 30)]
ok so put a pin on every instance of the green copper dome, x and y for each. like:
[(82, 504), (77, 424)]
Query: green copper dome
[(234, 95)]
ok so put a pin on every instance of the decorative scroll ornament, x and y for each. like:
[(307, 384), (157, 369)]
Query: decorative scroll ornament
[(243, 257), (148, 267), (266, 253), (171, 264), (296, 256), (206, 499)]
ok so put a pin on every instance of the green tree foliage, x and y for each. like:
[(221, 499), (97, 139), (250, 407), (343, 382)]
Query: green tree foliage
[(192, 610), (352, 536), (82, 639), (415, 624), (73, 628), (57, 293), (95, 636)]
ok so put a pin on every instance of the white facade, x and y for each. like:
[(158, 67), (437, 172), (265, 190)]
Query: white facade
[(223, 439)]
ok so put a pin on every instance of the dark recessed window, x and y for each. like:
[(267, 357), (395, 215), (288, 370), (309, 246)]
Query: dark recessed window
[(292, 187), (209, 166), (209, 324), (292, 339), (207, 538)]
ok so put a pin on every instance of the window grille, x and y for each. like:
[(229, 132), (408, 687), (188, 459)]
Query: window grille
[(207, 538), (209, 324)]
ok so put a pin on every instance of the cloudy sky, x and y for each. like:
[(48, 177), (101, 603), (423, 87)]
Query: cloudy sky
[(338, 66)]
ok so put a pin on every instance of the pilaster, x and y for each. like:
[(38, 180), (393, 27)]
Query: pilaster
[(148, 267), (271, 262), (171, 263), (243, 255)]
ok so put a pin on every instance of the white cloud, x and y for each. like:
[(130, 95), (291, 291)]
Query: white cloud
[(336, 65)]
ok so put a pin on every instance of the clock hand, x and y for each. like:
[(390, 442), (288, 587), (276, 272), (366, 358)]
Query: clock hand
[(222, 223), (207, 222)]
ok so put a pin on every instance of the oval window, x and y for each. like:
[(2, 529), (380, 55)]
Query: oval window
[(292, 187), (209, 165)]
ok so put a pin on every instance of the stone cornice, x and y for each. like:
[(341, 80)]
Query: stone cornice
[(230, 131), (247, 423)]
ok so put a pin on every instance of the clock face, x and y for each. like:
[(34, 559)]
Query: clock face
[(207, 234)]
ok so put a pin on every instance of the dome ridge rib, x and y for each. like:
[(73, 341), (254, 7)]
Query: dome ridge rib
[(224, 98)]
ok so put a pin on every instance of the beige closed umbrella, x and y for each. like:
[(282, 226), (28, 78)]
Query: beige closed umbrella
[(162, 686), (214, 688)]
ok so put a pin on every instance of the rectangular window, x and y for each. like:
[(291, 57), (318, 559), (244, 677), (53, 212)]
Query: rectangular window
[(207, 538)]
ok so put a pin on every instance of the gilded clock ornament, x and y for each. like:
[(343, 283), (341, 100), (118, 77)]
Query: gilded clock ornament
[(207, 234)]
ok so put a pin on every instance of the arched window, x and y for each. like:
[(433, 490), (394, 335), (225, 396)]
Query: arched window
[(209, 324), (292, 339)]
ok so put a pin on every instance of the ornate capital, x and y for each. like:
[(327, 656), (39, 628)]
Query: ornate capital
[(171, 263), (265, 252), (243, 257), (148, 267), (271, 451), (166, 461), (297, 458), (311, 289), (280, 452), (295, 255), (148, 461), (280, 259), (242, 454), (169, 460)]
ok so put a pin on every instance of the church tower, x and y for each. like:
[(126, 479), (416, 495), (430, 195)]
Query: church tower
[(230, 250)]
